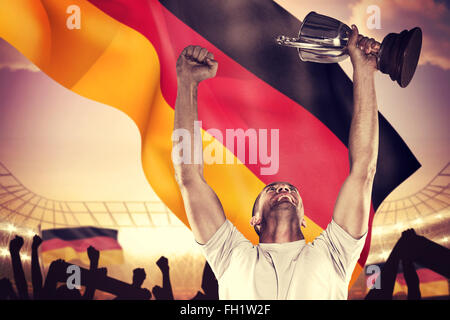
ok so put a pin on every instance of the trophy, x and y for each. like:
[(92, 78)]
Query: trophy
[(324, 40)]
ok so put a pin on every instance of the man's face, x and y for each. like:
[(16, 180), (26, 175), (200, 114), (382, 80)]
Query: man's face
[(278, 193), (275, 196)]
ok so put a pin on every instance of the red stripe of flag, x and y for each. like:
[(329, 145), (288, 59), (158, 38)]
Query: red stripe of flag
[(81, 245), (425, 275)]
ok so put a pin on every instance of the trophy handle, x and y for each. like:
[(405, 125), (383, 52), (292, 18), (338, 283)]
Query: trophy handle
[(295, 43), (288, 42)]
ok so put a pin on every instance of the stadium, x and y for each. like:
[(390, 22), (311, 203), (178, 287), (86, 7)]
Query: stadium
[(147, 230), (87, 116), (154, 228)]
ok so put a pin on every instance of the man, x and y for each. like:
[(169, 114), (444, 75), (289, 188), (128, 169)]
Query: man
[(282, 265)]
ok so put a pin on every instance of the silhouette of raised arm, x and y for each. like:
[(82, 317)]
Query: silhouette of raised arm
[(412, 280), (94, 256), (56, 272), (36, 275), (164, 293), (19, 276)]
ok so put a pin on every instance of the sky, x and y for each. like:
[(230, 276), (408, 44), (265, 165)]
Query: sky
[(66, 147)]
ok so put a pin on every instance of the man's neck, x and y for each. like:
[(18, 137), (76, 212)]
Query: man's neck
[(282, 230)]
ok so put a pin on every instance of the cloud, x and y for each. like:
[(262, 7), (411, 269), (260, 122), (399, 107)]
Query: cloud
[(13, 60), (396, 15), (336, 9)]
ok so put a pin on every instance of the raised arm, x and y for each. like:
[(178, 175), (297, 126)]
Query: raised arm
[(163, 264), (352, 207), (166, 292), (19, 275), (203, 208), (94, 256), (36, 275), (56, 273)]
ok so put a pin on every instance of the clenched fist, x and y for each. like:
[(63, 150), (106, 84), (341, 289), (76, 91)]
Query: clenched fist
[(16, 244), (163, 263), (196, 64), (36, 242), (93, 254)]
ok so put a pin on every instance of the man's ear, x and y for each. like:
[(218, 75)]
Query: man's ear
[(257, 217), (255, 220), (304, 222)]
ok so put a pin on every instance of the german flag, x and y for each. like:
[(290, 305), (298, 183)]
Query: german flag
[(71, 245), (124, 55)]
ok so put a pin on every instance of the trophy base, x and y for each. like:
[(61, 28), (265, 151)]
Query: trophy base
[(399, 55)]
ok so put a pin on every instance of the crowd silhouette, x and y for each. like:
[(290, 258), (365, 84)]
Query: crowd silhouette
[(55, 285), (409, 249)]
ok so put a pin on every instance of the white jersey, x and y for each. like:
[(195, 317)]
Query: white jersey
[(321, 269)]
